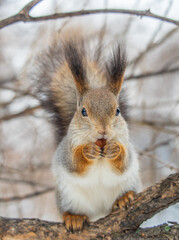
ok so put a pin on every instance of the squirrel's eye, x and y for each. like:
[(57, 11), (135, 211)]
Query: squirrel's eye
[(117, 111), (84, 112)]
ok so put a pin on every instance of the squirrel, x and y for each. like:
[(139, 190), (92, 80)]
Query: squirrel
[(95, 165)]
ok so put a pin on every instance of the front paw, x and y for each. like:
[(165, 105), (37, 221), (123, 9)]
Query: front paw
[(74, 223), (124, 201), (112, 150), (115, 153), (91, 151)]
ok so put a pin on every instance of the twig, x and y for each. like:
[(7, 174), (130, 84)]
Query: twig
[(9, 80), (20, 181), (155, 158), (157, 104), (31, 195), (27, 111), (154, 127), (152, 46), (152, 74), (130, 20), (157, 145), (23, 15), (22, 92), (29, 6), (163, 123)]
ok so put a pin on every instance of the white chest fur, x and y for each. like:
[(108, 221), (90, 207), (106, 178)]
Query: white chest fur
[(94, 193)]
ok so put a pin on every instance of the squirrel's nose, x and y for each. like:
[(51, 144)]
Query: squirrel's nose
[(102, 132)]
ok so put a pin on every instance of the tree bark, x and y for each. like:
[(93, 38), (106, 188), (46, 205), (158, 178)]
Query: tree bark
[(118, 225)]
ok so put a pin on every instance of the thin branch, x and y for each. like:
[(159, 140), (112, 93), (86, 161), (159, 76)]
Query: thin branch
[(20, 169), (154, 127), (152, 45), (27, 111), (29, 7), (20, 181), (23, 15), (158, 104), (121, 224), (163, 123), (26, 92), (152, 74), (130, 20), (27, 196), (9, 80), (155, 158), (159, 144)]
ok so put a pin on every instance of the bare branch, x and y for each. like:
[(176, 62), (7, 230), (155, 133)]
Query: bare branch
[(119, 224), (152, 74), (154, 127), (22, 92), (27, 111), (163, 123), (152, 46), (23, 15), (9, 80), (159, 104), (154, 157), (31, 195), (157, 145), (20, 181), (29, 6)]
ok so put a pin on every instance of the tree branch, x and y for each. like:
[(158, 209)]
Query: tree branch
[(27, 111), (31, 195), (152, 45), (21, 181), (118, 225), (29, 7), (174, 123), (155, 127), (152, 74), (23, 15)]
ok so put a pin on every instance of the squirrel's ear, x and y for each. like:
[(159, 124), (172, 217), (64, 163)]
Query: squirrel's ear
[(115, 70), (74, 56)]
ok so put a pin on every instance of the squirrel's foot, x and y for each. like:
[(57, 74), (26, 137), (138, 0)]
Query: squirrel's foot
[(124, 201), (74, 223)]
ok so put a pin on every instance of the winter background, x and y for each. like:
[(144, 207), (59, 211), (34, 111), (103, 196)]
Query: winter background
[(26, 136)]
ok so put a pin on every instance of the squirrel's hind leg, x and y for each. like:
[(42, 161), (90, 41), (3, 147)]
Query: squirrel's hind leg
[(74, 222)]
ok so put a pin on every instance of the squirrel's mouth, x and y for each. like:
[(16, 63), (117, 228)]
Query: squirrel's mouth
[(101, 142)]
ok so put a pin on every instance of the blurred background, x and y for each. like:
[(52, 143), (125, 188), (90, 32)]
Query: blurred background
[(27, 139)]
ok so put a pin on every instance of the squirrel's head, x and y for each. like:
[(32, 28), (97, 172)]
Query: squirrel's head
[(99, 109), (98, 112)]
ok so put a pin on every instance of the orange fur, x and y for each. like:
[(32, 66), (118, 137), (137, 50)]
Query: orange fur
[(81, 163), (84, 155), (118, 157)]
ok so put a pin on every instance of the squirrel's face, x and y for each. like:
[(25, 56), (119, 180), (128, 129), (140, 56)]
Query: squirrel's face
[(98, 114)]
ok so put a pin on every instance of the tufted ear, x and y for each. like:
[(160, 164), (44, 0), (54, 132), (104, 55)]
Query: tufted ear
[(115, 70), (74, 54)]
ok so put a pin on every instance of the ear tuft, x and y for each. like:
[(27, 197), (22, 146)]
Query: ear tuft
[(115, 70), (74, 56)]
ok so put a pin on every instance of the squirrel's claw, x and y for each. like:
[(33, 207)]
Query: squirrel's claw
[(74, 223), (124, 201)]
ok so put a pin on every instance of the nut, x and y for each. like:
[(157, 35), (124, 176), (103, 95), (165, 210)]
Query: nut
[(101, 143)]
